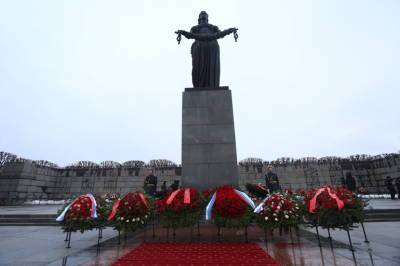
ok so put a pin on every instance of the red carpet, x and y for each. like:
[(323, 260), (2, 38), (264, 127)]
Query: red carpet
[(197, 254)]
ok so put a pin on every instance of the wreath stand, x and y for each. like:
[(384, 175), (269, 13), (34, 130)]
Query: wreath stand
[(347, 228)]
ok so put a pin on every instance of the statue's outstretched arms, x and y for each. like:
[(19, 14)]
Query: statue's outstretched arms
[(188, 35), (222, 34), (206, 37)]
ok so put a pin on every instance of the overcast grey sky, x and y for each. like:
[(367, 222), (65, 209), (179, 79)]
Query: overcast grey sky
[(103, 80)]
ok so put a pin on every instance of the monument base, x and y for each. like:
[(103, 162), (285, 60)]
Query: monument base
[(208, 138)]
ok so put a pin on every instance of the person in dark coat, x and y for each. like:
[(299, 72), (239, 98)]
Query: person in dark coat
[(398, 187), (150, 183), (343, 181), (174, 186), (164, 187), (390, 187), (350, 182), (272, 180)]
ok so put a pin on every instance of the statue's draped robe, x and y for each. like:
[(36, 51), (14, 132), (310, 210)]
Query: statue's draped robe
[(205, 58)]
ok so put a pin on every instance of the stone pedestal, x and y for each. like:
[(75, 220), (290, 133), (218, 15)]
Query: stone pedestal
[(208, 138)]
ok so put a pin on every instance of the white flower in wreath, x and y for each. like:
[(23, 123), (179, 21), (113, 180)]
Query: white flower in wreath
[(276, 219), (127, 220), (266, 218), (122, 218), (287, 216)]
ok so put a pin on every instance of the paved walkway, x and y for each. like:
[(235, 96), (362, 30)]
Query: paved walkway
[(45, 245), (26, 245), (383, 248)]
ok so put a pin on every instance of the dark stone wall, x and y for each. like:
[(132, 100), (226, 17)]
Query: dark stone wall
[(22, 181), (25, 180)]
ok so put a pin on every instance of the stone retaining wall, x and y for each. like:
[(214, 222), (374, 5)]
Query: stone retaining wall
[(25, 180)]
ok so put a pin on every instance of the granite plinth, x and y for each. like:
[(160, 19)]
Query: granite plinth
[(208, 138)]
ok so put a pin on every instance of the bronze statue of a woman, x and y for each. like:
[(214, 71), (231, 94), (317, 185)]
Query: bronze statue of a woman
[(205, 51)]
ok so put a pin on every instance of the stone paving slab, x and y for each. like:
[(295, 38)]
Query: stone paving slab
[(383, 247), (42, 245)]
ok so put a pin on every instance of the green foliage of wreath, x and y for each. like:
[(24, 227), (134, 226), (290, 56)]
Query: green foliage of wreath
[(132, 220), (186, 218), (334, 218), (177, 214), (227, 222)]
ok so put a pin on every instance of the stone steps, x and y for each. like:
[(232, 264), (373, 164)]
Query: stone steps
[(28, 220), (21, 216), (382, 215)]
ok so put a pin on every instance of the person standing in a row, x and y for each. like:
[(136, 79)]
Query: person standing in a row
[(272, 181), (390, 187), (398, 187), (150, 183), (350, 182)]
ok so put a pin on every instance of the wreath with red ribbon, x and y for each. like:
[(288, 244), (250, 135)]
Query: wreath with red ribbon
[(180, 208), (333, 207), (131, 212)]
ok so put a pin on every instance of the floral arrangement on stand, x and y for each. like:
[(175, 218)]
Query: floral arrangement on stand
[(181, 208), (278, 211), (131, 212), (104, 206), (333, 208), (298, 197), (230, 208), (79, 215), (257, 191)]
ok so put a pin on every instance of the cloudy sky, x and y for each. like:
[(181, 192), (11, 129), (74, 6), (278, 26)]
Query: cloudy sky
[(103, 80)]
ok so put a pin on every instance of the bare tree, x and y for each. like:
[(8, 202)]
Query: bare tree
[(161, 164), (43, 163), (6, 157), (251, 162), (133, 164), (83, 164), (110, 164)]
